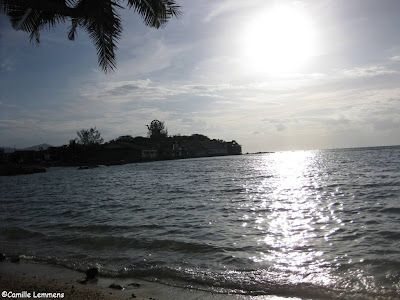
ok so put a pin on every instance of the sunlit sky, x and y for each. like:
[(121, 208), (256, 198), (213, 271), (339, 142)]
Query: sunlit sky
[(272, 75)]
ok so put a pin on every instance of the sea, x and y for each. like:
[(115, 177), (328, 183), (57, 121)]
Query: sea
[(321, 224)]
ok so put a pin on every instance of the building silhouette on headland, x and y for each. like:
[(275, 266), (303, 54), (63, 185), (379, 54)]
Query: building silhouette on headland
[(127, 149), (164, 148)]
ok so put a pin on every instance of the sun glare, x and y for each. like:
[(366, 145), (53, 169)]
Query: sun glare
[(277, 41)]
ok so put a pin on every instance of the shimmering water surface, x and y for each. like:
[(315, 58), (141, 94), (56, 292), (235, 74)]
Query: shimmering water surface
[(312, 224)]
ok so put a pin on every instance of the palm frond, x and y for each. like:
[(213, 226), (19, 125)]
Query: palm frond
[(104, 30), (173, 9), (98, 17), (75, 22), (41, 21), (155, 13), (25, 18), (7, 6)]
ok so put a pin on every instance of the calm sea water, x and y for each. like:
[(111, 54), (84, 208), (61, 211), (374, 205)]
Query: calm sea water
[(313, 224)]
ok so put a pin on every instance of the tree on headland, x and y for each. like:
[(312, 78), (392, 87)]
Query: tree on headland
[(199, 137), (125, 139), (99, 18), (89, 137), (156, 129)]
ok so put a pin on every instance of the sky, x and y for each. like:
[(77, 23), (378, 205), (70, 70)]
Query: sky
[(272, 75)]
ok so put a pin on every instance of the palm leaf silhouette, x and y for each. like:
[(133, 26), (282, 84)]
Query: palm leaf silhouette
[(99, 18)]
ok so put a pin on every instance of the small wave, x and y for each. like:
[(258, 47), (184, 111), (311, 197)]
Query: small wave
[(72, 213), (105, 228), (181, 246), (378, 185), (128, 243), (20, 233), (391, 210), (372, 222), (11, 219), (392, 235), (258, 282), (234, 190)]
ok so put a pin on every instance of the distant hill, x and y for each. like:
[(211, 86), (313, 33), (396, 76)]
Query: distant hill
[(35, 148)]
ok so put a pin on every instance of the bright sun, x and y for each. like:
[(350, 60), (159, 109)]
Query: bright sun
[(276, 41)]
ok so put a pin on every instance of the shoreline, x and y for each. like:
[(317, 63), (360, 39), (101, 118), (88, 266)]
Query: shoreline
[(15, 169), (35, 278)]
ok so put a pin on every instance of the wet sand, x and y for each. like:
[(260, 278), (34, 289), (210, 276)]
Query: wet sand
[(31, 279), (35, 278), (35, 287)]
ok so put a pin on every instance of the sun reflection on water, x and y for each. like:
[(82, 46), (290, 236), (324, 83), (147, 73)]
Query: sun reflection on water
[(288, 214)]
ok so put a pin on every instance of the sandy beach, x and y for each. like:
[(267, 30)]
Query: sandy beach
[(37, 279), (33, 280), (36, 287)]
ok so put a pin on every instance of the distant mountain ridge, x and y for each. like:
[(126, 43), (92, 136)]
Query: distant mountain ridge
[(35, 148)]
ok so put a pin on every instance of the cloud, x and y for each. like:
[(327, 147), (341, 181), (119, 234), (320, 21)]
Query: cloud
[(384, 124), (126, 91), (7, 105), (215, 68), (7, 65), (126, 88), (231, 6), (189, 125), (151, 55), (395, 58), (367, 71), (331, 112), (148, 91), (280, 127)]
